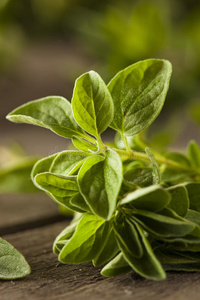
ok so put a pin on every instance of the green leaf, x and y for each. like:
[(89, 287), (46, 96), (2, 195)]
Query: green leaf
[(15, 178), (139, 176), (65, 235), (54, 113), (139, 93), (164, 226), (189, 267), (42, 165), (173, 257), (68, 162), (147, 265), (60, 188), (193, 189), (99, 181), (192, 245), (79, 202), (57, 185), (108, 251), (84, 145), (127, 237), (174, 176), (155, 167), (193, 216), (12, 263), (179, 200), (116, 267), (178, 158), (194, 154), (153, 198), (92, 103), (86, 242)]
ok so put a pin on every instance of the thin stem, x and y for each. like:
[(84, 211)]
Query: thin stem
[(101, 145), (159, 158), (124, 138)]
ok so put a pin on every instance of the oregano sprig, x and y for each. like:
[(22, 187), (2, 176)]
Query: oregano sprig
[(134, 208)]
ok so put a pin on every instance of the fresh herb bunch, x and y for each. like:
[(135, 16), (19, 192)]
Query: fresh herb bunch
[(136, 209)]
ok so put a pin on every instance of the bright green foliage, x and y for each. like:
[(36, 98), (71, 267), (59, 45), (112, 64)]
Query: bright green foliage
[(147, 265), (179, 200), (68, 162), (116, 267), (92, 104), (54, 113), (152, 198), (139, 93), (84, 244), (83, 145), (12, 263), (100, 181), (139, 210)]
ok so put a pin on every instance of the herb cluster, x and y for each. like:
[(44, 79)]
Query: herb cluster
[(135, 209)]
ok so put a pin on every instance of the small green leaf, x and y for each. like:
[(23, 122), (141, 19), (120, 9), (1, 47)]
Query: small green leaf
[(175, 176), (193, 189), (139, 176), (147, 265), (173, 257), (57, 185), (92, 103), (189, 267), (54, 113), (12, 263), (108, 251), (79, 201), (116, 267), (192, 245), (127, 237), (65, 235), (85, 244), (68, 162), (42, 165), (179, 200), (178, 158), (155, 167), (153, 198), (194, 154), (99, 181), (84, 145), (164, 226), (193, 216), (139, 93)]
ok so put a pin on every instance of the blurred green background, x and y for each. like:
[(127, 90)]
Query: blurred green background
[(45, 45)]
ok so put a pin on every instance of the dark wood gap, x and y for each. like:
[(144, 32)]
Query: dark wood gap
[(20, 227)]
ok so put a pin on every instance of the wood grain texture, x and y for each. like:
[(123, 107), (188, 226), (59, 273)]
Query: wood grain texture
[(20, 212), (52, 280)]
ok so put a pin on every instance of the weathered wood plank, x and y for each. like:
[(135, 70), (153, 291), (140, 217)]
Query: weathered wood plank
[(51, 280), (20, 212)]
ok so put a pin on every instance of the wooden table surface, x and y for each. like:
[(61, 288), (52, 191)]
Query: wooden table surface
[(22, 226)]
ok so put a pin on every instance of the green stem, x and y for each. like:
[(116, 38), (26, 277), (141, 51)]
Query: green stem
[(159, 158), (124, 138), (101, 145)]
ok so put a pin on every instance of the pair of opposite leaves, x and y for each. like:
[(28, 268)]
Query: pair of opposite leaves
[(130, 103)]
